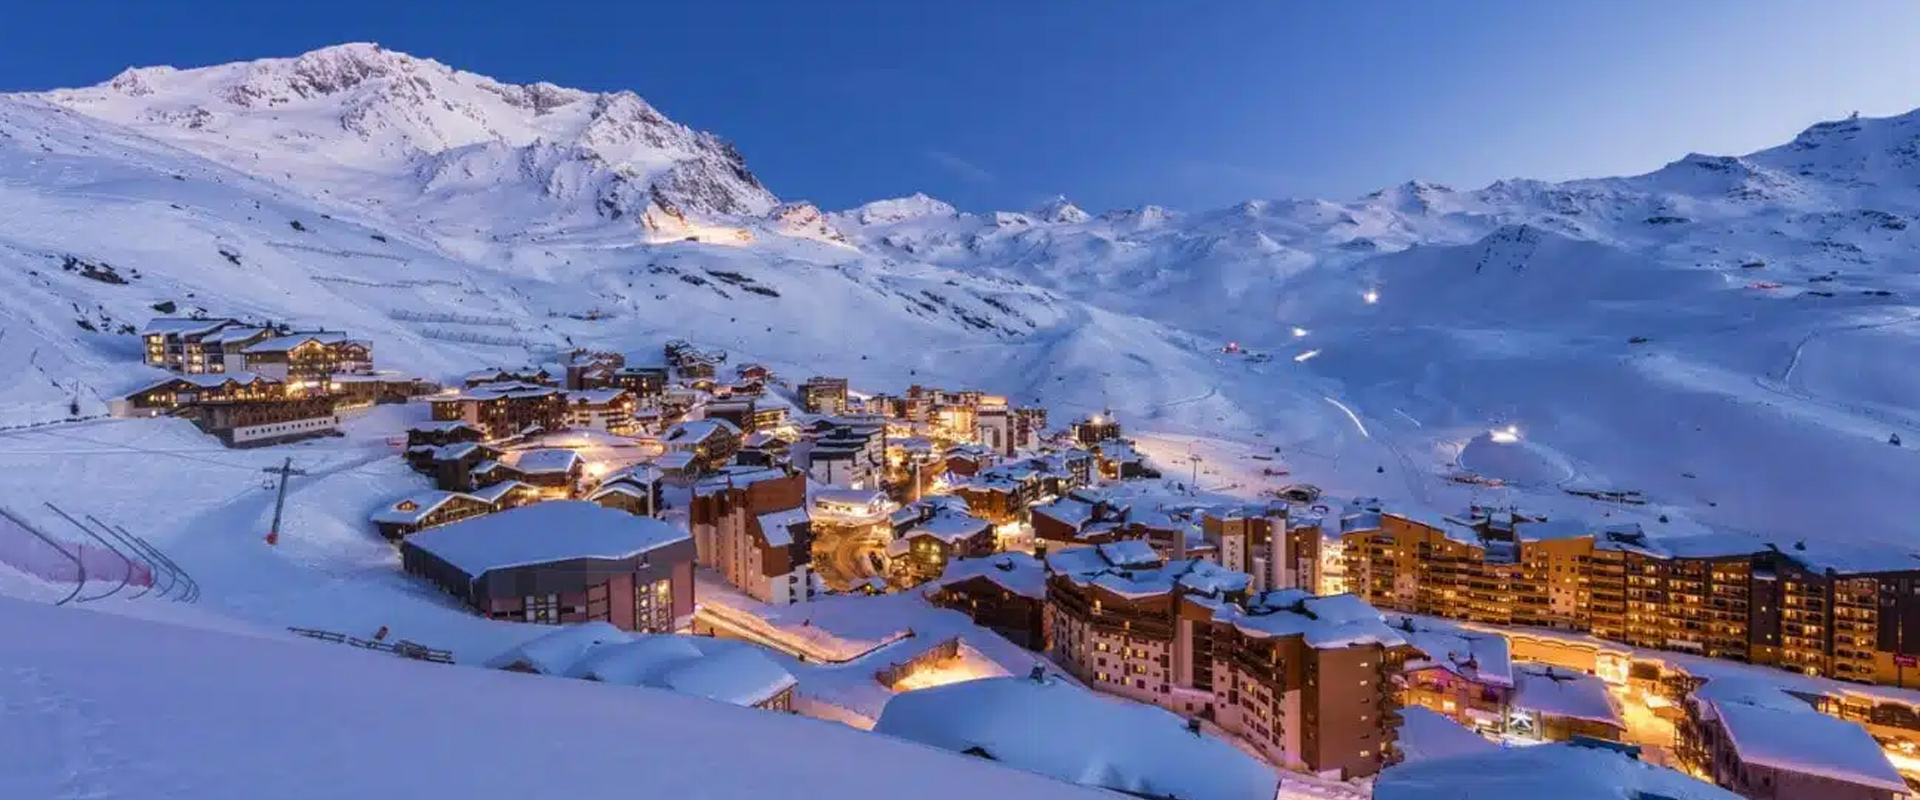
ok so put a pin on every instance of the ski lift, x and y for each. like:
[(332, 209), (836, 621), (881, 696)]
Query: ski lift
[(267, 484), (1894, 440)]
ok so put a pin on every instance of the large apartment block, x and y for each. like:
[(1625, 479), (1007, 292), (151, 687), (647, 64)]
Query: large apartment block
[(1307, 680), (1813, 612), (753, 528)]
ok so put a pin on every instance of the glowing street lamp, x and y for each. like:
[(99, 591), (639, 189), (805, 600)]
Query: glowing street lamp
[(1507, 435), (1299, 332), (1371, 296)]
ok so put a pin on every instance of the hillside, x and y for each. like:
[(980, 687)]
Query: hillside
[(1724, 334), (105, 706)]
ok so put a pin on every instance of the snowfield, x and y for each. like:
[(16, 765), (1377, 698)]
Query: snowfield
[(103, 706)]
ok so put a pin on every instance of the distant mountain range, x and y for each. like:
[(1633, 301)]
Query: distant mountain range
[(1756, 301)]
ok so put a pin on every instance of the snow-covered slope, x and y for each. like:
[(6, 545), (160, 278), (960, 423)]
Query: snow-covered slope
[(1725, 334), (100, 705)]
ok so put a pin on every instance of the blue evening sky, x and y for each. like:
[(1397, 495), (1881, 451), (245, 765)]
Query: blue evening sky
[(1187, 103)]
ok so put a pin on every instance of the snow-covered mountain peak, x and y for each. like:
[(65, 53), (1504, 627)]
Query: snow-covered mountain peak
[(1060, 210), (900, 209), (335, 116)]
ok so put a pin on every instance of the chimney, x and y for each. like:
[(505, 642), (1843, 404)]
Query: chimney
[(1038, 674), (1179, 543), (1193, 725)]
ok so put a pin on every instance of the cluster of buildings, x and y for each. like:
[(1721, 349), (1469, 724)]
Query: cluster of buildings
[(253, 385), (1834, 614)]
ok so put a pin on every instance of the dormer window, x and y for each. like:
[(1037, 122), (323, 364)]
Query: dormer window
[(406, 505)]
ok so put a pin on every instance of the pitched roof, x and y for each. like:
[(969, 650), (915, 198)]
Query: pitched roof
[(182, 326), (282, 344), (423, 503), (546, 461), (777, 526)]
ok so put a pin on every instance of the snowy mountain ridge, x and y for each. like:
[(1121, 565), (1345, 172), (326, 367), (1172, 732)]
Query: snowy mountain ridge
[(1758, 301), (454, 134)]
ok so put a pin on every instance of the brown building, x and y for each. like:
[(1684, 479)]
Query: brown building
[(753, 528), (1006, 593), (1768, 744), (922, 553), (710, 443), (197, 346), (1793, 608), (308, 361), (176, 393), (1095, 428), (609, 410), (1306, 680), (504, 410), (562, 562), (821, 395), (423, 510), (258, 423), (451, 465)]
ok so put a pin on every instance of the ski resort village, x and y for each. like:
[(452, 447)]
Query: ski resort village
[(406, 409)]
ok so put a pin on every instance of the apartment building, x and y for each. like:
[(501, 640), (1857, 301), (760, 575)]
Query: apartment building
[(609, 410), (709, 443), (823, 395), (1261, 541), (180, 344), (1817, 612), (308, 361), (1307, 680), (503, 410), (845, 452), (753, 528)]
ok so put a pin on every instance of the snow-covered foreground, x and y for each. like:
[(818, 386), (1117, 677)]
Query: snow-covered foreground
[(103, 706)]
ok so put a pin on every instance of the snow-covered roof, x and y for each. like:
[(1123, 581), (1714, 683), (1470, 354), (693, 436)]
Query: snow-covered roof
[(1014, 571), (598, 397), (1426, 734), (950, 527), (455, 451), (554, 653), (233, 334), (778, 526), (282, 344), (739, 675), (1067, 511), (1562, 771), (1333, 621), (1479, 657), (556, 530), (494, 493), (181, 326), (414, 507), (546, 461), (621, 487), (1195, 575), (676, 460), (1075, 735), (1769, 727), (1129, 553), (444, 426), (699, 430), (736, 673), (1558, 692)]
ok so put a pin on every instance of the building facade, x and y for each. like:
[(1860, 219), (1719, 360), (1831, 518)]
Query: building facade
[(755, 531)]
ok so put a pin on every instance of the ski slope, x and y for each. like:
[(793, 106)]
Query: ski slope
[(105, 706)]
